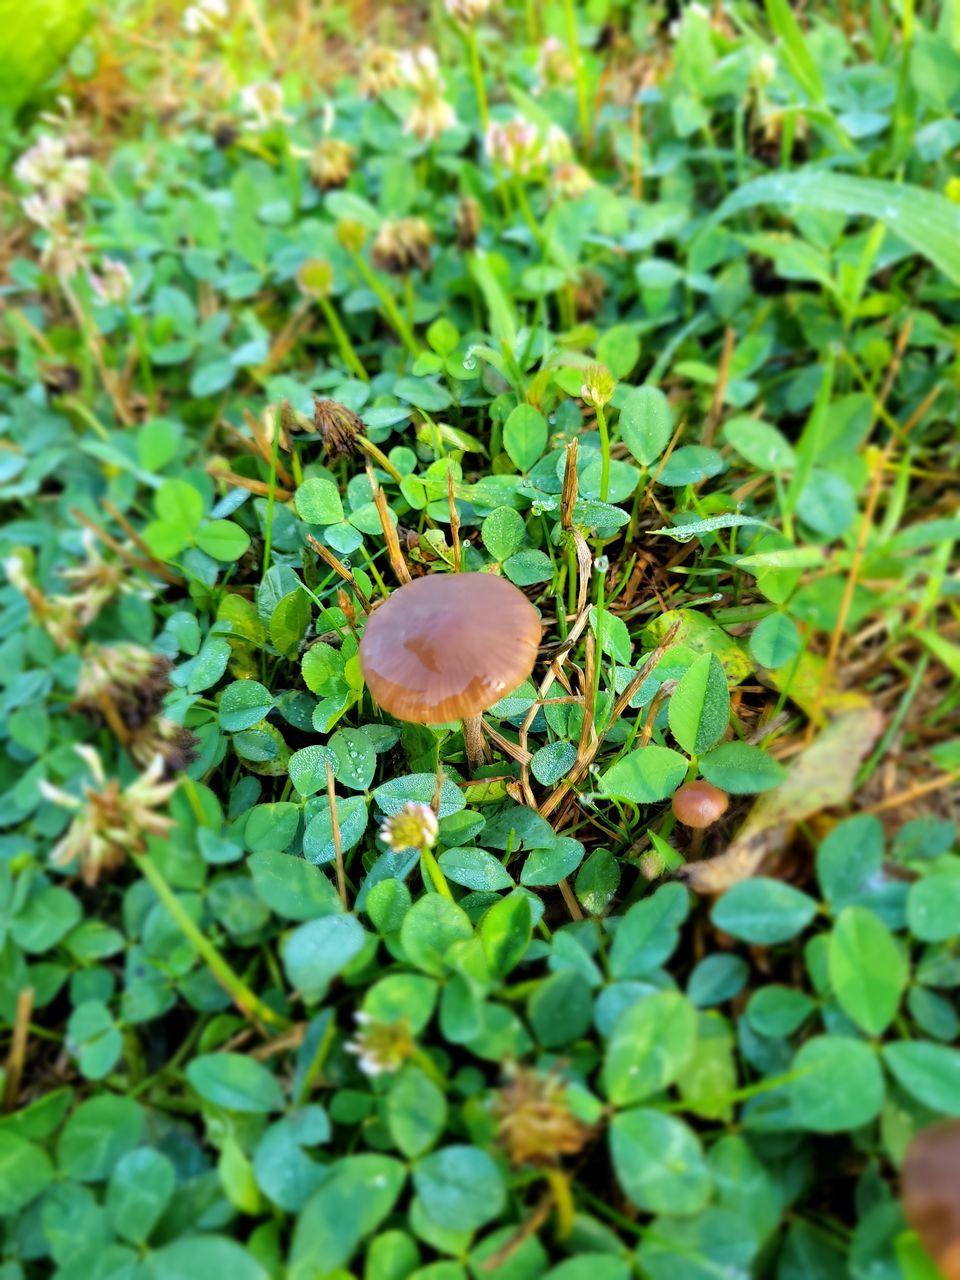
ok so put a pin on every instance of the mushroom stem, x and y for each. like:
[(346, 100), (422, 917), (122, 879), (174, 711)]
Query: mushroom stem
[(473, 741)]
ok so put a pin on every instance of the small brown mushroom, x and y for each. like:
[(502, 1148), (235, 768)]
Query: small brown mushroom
[(699, 804), (930, 1191), (446, 647)]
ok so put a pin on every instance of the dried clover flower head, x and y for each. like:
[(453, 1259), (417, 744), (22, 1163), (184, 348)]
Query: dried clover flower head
[(113, 284), (176, 746), (466, 222), (534, 1123), (351, 234), (381, 71), (130, 677), (467, 12), (96, 580), (598, 386), (331, 163), (380, 1047), (283, 417), (64, 616), (588, 294), (109, 821), (56, 614), (402, 245), (414, 827), (338, 426)]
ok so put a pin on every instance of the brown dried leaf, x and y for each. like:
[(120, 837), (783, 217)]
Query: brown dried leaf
[(801, 681), (821, 777)]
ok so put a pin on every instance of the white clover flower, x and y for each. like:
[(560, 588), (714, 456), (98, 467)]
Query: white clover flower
[(380, 1047), (262, 105), (66, 113), (420, 70), (17, 575), (429, 117), (467, 12), (571, 180), (766, 68), (430, 114), (64, 253), (109, 821), (53, 173), (205, 16), (415, 826), (514, 144), (381, 70), (42, 210), (114, 283), (553, 64), (556, 148)]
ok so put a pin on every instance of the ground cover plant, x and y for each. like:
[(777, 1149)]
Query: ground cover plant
[(649, 310)]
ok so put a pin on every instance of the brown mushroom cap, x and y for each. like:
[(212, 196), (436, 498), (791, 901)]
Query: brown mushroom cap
[(699, 804), (930, 1190), (447, 646)]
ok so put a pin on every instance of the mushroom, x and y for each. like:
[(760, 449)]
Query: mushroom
[(928, 1188), (446, 647), (699, 804)]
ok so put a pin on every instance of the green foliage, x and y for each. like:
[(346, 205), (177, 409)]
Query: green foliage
[(35, 41), (686, 375)]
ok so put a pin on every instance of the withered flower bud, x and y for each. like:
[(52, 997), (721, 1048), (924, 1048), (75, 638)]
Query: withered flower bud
[(928, 1191), (402, 245), (274, 424), (534, 1123), (291, 421), (59, 379), (176, 746), (128, 677), (467, 222), (588, 294), (225, 134), (338, 426), (346, 607), (331, 163)]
